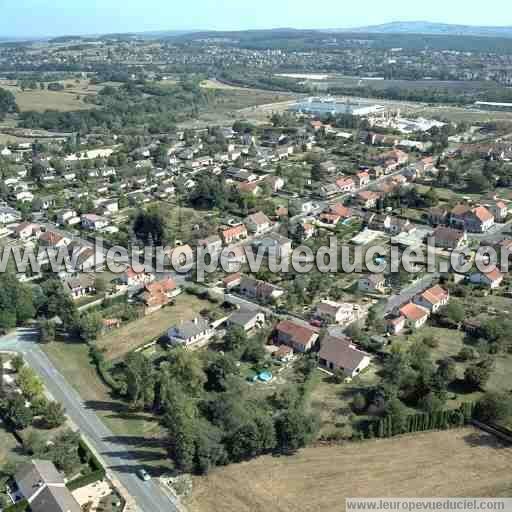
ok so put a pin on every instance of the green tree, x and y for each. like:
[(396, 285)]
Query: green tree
[(140, 380), (54, 415), (17, 413), (494, 407), (30, 384), (235, 339), (397, 412), (477, 375), (294, 429)]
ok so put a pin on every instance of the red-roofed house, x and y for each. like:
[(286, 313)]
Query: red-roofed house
[(433, 298), (329, 218), (300, 337), (158, 294), (415, 315), (233, 234), (367, 198), (343, 211), (345, 184)]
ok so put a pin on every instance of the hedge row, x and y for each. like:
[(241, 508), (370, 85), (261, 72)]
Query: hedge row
[(102, 368), (437, 420), (98, 471)]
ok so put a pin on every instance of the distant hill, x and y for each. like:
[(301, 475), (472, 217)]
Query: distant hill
[(426, 27)]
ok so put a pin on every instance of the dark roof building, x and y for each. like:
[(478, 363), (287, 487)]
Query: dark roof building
[(44, 488)]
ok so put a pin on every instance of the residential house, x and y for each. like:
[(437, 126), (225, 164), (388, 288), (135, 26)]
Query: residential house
[(437, 216), (157, 294), (273, 245), (396, 325), (258, 223), (211, 244), (52, 239), (491, 279), (65, 215), (329, 218), (345, 184), (362, 179), (232, 280), (247, 319), (252, 189), (328, 191), (26, 230), (340, 354), (334, 312), (191, 333), (372, 283), (448, 238), (94, 222), (500, 210), (367, 198), (415, 315), (132, 277), (8, 215), (260, 290), (433, 298), (109, 207), (233, 234), (343, 211), (475, 220), (44, 487), (276, 183), (79, 286), (300, 337)]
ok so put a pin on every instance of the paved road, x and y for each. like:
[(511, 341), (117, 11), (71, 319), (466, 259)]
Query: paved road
[(148, 495)]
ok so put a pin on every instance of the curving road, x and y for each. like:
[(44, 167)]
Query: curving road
[(148, 496)]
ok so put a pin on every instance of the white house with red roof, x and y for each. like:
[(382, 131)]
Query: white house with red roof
[(300, 337), (433, 298), (415, 315), (233, 234)]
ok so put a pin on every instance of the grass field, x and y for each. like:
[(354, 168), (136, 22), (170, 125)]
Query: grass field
[(331, 402), (135, 334), (423, 465), (71, 98)]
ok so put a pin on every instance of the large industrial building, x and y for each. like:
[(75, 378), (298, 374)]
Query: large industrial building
[(323, 106)]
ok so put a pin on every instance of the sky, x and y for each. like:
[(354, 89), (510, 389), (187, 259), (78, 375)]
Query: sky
[(34, 18)]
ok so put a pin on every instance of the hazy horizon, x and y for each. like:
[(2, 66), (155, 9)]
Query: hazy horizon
[(53, 18)]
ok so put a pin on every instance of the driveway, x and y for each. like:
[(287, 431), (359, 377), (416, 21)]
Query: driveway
[(116, 457)]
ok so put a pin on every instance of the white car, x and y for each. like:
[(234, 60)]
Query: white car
[(143, 475)]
